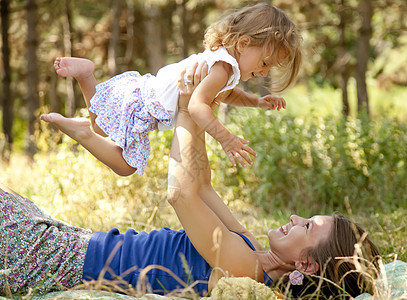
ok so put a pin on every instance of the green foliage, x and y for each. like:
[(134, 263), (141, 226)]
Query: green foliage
[(321, 164)]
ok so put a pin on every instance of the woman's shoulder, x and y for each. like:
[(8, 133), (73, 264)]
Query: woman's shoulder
[(246, 239), (240, 257)]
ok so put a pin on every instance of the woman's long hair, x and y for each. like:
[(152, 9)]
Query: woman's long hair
[(349, 264)]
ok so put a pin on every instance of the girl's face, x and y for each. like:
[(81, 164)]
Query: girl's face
[(288, 241), (254, 61)]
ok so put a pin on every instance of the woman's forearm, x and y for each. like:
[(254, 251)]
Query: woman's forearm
[(188, 148), (190, 175)]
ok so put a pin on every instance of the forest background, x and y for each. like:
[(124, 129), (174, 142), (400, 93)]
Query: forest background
[(339, 145)]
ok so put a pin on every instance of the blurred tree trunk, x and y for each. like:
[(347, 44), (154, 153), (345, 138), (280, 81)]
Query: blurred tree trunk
[(55, 102), (70, 104), (183, 40), (114, 38), (363, 54), (7, 100), (343, 58), (32, 75), (128, 58), (153, 37)]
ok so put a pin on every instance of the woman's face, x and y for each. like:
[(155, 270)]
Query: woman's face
[(288, 241)]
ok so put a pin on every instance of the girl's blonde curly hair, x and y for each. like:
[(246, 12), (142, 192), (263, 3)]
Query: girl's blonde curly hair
[(267, 27)]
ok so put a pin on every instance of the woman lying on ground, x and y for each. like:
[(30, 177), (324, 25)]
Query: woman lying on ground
[(38, 252)]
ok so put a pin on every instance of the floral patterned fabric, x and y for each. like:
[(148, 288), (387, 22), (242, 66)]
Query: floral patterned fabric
[(36, 251), (127, 109)]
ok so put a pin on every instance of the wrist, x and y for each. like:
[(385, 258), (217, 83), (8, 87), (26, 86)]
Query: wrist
[(225, 137), (183, 110), (258, 102), (183, 102)]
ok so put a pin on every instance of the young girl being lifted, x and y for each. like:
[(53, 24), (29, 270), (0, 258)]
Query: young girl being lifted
[(242, 45)]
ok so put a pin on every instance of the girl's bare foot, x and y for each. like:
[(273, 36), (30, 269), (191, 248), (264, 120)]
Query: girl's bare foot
[(76, 128), (79, 68)]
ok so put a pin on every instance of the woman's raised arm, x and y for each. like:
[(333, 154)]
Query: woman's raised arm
[(206, 219), (206, 190)]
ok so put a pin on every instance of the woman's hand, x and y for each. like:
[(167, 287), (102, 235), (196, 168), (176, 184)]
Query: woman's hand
[(194, 76)]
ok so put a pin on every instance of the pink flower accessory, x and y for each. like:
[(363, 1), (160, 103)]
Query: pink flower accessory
[(296, 277)]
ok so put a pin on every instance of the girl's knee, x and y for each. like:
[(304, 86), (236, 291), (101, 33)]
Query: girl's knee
[(124, 171)]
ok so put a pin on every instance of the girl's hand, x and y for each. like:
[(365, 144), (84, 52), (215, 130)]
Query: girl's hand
[(271, 102), (237, 149)]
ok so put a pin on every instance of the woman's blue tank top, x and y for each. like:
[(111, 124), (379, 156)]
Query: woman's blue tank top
[(168, 248)]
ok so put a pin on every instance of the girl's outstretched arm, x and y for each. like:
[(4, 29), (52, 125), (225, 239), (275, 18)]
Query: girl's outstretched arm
[(241, 98), (201, 112)]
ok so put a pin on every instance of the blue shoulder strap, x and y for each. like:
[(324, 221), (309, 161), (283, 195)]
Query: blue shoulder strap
[(267, 280)]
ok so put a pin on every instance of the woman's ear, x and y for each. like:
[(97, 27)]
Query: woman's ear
[(309, 266), (243, 43)]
